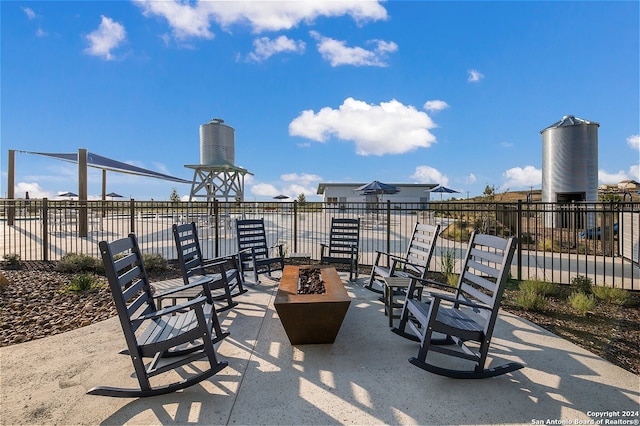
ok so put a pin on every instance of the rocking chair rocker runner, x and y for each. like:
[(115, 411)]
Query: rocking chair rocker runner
[(253, 251), (467, 315), (173, 336), (195, 268)]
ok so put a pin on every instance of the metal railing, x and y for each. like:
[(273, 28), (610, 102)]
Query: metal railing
[(557, 242)]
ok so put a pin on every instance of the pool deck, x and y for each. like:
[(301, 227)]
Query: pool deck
[(363, 378)]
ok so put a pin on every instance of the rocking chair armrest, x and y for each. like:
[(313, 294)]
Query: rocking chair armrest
[(452, 299), (217, 264), (432, 283), (173, 309), (280, 248), (199, 282), (217, 261), (248, 251)]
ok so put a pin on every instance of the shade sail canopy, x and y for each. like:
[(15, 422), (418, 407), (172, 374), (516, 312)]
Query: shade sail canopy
[(377, 187), (100, 162)]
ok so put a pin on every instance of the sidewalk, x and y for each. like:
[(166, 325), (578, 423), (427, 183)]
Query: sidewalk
[(363, 378)]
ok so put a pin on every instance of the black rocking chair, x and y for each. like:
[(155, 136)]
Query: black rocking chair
[(176, 335), (467, 315)]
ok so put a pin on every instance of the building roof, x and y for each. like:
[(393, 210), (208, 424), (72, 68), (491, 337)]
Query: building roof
[(323, 185)]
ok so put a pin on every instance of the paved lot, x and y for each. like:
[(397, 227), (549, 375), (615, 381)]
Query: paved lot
[(363, 378)]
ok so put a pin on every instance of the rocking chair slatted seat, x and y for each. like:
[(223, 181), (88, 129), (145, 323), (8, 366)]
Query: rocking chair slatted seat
[(344, 239), (194, 267), (415, 262), (467, 315), (253, 251), (172, 337)]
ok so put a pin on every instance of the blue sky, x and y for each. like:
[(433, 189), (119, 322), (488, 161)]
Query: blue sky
[(451, 93)]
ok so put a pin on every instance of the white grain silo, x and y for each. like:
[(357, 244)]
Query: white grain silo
[(569, 167)]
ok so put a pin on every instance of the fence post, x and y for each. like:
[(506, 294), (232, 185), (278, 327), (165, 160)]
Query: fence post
[(216, 220), (388, 226), (519, 236), (45, 229), (132, 215), (295, 226)]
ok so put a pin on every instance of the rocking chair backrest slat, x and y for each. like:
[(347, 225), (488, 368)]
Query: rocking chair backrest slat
[(189, 253), (251, 234), (128, 281), (483, 276)]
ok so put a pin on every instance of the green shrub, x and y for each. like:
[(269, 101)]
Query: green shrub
[(550, 245), (582, 302), (448, 262), (12, 261), (155, 262), (543, 288), (617, 296), (452, 279), (78, 262), (531, 300), (584, 249), (82, 282), (527, 238), (581, 284)]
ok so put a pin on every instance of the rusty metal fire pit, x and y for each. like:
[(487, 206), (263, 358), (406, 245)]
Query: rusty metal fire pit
[(311, 318)]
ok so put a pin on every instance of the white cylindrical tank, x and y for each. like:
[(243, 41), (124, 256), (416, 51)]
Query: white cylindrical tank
[(570, 160), (217, 143), (569, 170)]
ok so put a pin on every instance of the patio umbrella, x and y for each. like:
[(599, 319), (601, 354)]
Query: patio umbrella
[(67, 194), (114, 195), (444, 190), (280, 197), (377, 187)]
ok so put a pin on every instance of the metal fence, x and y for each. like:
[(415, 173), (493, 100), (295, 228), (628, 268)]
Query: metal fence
[(557, 242)]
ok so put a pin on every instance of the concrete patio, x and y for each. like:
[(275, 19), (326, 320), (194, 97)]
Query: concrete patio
[(363, 378)]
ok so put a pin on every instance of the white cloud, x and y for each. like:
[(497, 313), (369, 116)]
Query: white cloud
[(517, 177), (29, 12), (605, 177), (186, 20), (264, 190), (388, 128), (471, 178), (34, 190), (337, 53), (427, 174), (108, 36), (634, 171), (304, 178), (435, 105), (291, 185), (284, 15), (475, 76), (192, 19), (264, 47), (634, 142)]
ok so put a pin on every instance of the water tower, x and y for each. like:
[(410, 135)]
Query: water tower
[(569, 168), (216, 177)]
